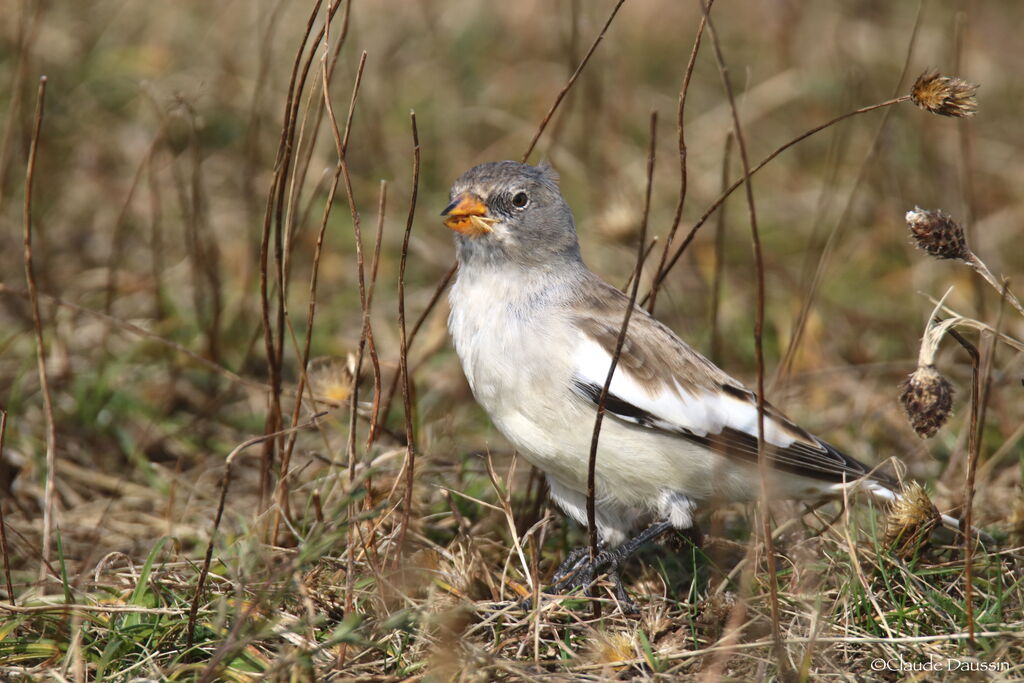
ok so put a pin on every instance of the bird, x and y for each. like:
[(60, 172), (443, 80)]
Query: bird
[(535, 331)]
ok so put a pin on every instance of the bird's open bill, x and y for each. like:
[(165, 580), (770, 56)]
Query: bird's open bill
[(468, 215)]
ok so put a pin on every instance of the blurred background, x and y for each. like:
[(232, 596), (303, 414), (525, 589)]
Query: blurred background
[(157, 153)]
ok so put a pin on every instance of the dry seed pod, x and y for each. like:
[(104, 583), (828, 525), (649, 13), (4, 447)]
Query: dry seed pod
[(332, 379), (911, 520), (927, 397), (937, 233), (944, 95)]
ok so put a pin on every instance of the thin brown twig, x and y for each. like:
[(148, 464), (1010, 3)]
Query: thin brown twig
[(987, 364), (973, 449), (762, 457), (340, 170), (357, 229), (572, 79), (382, 200), (663, 272), (603, 398), (224, 483), (341, 143), (715, 345), (3, 524), (274, 210), (37, 326), (683, 178), (403, 357)]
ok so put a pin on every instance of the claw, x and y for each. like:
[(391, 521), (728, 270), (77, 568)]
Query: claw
[(578, 570)]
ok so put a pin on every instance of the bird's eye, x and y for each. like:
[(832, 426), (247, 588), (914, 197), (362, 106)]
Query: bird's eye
[(520, 200)]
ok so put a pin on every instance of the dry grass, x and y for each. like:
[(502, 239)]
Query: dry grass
[(160, 202)]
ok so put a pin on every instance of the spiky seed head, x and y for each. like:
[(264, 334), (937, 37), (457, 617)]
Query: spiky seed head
[(944, 95), (937, 233), (332, 379), (608, 648), (927, 397), (911, 520)]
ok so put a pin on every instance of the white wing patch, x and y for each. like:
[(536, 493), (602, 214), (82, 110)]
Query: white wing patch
[(698, 411)]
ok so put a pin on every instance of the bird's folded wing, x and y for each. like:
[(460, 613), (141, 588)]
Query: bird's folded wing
[(662, 384)]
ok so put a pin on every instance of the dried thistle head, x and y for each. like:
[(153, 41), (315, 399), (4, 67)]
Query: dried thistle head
[(332, 379), (944, 95), (937, 233), (608, 648), (912, 519), (927, 398)]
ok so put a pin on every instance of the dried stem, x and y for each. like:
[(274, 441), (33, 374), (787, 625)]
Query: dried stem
[(762, 459), (603, 398), (973, 448), (224, 483), (372, 347), (683, 179), (3, 524), (341, 143), (274, 208), (979, 267), (403, 357), (37, 325), (715, 345), (572, 79)]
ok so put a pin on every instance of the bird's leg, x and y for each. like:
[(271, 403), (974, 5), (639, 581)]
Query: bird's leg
[(573, 561), (580, 571)]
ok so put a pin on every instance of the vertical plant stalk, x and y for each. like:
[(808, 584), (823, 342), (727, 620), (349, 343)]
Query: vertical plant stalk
[(652, 296), (603, 398), (372, 347), (3, 524), (274, 195), (366, 332), (715, 346), (973, 450), (762, 459), (37, 326), (340, 169), (403, 357), (572, 79)]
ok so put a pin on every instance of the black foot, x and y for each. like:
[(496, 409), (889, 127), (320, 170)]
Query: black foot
[(583, 572), (579, 571)]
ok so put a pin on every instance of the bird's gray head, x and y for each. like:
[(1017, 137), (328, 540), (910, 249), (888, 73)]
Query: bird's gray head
[(505, 212)]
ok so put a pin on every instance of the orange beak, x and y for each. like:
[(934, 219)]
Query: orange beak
[(468, 215)]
